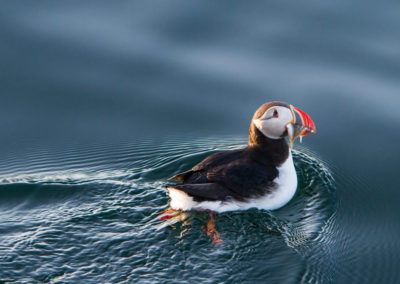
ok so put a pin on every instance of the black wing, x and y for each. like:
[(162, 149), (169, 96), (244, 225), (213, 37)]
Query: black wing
[(204, 191), (209, 162), (245, 179), (237, 174)]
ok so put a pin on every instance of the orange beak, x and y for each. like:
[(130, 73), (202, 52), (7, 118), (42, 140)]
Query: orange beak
[(308, 125), (301, 125)]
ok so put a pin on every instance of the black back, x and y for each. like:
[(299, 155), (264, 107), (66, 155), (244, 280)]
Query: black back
[(238, 174)]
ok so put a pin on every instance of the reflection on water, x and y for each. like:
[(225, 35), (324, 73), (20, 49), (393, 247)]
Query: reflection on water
[(103, 213)]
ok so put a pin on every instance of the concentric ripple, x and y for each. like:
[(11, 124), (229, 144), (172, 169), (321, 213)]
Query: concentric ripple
[(91, 214)]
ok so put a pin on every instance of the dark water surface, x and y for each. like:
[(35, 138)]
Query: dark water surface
[(102, 101)]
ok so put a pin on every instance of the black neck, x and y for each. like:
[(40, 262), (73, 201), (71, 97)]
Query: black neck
[(275, 151)]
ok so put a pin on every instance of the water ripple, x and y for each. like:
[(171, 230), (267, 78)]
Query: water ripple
[(94, 216)]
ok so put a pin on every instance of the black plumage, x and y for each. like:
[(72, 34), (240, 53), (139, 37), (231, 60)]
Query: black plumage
[(237, 174)]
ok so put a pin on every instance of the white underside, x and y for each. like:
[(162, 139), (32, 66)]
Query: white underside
[(286, 184)]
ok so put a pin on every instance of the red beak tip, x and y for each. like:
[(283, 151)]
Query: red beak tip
[(307, 121)]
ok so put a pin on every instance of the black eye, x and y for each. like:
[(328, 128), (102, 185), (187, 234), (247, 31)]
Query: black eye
[(275, 114)]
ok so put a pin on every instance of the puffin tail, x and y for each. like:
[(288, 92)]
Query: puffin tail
[(181, 176)]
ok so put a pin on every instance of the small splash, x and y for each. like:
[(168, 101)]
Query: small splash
[(313, 203), (303, 224)]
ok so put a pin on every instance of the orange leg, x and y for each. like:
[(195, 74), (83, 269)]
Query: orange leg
[(212, 231), (167, 214)]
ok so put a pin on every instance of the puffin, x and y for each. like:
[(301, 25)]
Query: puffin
[(261, 175)]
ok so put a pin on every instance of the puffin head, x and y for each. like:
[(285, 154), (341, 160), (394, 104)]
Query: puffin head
[(276, 120)]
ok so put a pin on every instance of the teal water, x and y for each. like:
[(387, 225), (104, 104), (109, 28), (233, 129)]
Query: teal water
[(90, 223), (101, 102)]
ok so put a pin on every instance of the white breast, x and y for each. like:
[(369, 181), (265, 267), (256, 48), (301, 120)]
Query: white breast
[(286, 184)]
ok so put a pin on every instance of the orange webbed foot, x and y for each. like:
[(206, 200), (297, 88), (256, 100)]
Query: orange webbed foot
[(167, 214), (212, 231)]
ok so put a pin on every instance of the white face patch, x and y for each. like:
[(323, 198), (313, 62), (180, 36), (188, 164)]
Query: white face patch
[(273, 122)]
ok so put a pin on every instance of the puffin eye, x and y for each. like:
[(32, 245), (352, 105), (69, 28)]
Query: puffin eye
[(275, 114)]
